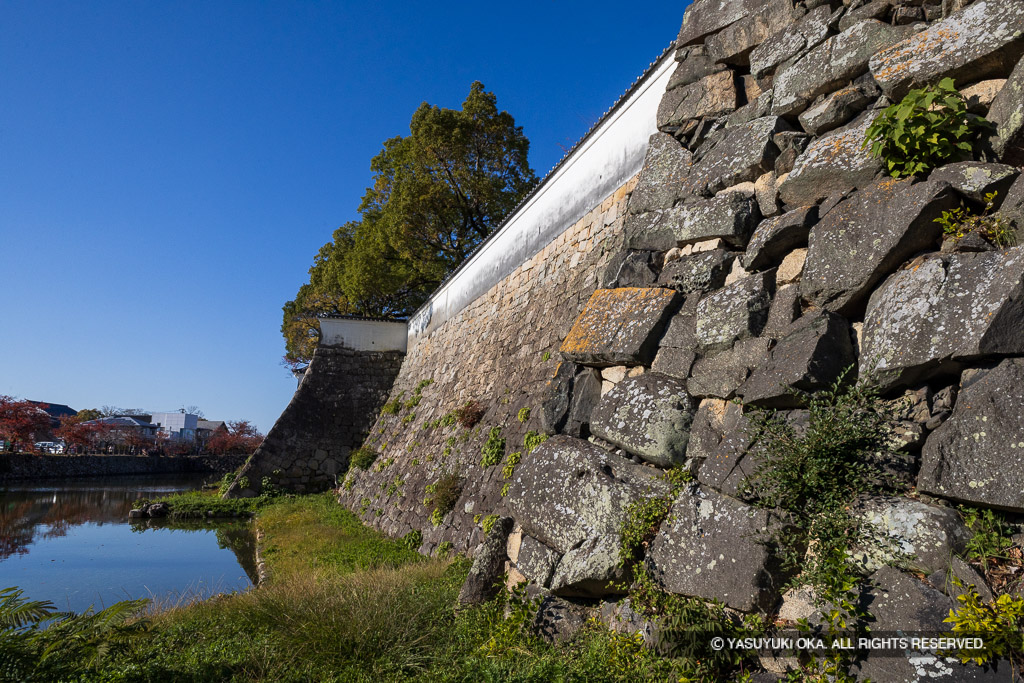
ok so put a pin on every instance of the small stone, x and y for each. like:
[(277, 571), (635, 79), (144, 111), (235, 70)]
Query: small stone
[(699, 272), (734, 312), (1007, 113), (980, 95), (805, 34), (721, 374), (731, 217), (792, 267), (766, 189), (713, 96), (775, 237), (838, 108), (742, 153)]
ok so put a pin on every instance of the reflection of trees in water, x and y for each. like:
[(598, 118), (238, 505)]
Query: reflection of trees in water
[(235, 535), (15, 534)]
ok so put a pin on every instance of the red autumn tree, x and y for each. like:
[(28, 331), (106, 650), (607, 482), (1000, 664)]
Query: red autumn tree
[(239, 437), (20, 421), (82, 434)]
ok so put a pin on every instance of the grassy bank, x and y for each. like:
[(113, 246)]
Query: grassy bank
[(343, 603)]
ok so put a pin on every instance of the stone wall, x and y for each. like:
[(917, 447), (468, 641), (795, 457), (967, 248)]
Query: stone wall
[(24, 466), (327, 418)]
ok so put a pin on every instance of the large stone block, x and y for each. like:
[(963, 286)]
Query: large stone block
[(721, 374), (570, 494), (977, 455), (694, 64), (974, 179), (1007, 113), (808, 32), (948, 308), (700, 272), (483, 581), (648, 415), (985, 40), (711, 547), (832, 64), (620, 326), (730, 217), (908, 533), (832, 165), (868, 236), (776, 237), (732, 45), (704, 17), (811, 356), (661, 181), (713, 96), (838, 108), (678, 347), (722, 446), (740, 154), (737, 311)]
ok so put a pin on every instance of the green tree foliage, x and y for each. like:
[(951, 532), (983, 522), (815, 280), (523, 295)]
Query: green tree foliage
[(436, 194)]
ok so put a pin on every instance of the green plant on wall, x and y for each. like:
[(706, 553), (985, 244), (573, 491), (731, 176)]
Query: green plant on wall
[(929, 127), (960, 222), (493, 449)]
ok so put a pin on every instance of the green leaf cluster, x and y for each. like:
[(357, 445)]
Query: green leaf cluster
[(493, 449), (960, 222), (435, 195), (929, 127), (999, 623)]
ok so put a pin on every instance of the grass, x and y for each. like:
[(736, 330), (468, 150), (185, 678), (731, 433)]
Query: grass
[(196, 504)]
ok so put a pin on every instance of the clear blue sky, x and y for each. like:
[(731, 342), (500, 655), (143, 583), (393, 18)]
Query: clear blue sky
[(169, 169)]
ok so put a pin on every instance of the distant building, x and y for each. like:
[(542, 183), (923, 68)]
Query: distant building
[(55, 410), (179, 425), (125, 424)]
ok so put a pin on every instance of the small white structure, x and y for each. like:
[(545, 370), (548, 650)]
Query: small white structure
[(364, 334), (179, 425)]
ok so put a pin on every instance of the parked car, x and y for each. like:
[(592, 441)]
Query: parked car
[(50, 446)]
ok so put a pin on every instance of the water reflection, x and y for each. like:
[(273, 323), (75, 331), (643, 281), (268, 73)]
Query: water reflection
[(70, 542)]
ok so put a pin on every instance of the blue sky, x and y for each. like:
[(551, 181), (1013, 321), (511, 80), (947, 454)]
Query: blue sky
[(169, 169)]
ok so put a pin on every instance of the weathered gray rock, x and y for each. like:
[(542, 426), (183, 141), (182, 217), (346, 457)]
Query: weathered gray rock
[(1012, 205), (784, 311), (811, 356), (908, 533), (832, 64), (977, 455), (484, 579), (755, 108), (957, 578), (571, 496), (868, 236), (648, 415), (832, 165), (536, 561), (678, 347), (704, 17), (713, 96), (742, 153), (721, 374), (805, 34), (901, 603), (731, 217), (1007, 113), (722, 446), (736, 311), (876, 9), (974, 179), (558, 620), (710, 547), (620, 326), (776, 237), (983, 41), (838, 108), (660, 184), (693, 66), (948, 308), (732, 45), (631, 268), (701, 272)]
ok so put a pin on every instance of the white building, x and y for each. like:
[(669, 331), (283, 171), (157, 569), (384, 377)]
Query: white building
[(179, 425)]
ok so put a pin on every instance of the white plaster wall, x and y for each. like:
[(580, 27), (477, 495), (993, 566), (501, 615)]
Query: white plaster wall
[(608, 158), (363, 335)]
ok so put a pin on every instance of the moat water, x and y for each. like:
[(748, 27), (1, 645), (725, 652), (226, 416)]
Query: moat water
[(70, 542)]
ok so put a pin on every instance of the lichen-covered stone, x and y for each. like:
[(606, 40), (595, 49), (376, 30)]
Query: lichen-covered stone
[(945, 309), (648, 415), (731, 217), (570, 494), (736, 311), (832, 64), (1007, 113), (977, 455), (721, 374), (483, 581), (984, 40), (832, 165), (631, 268), (868, 236), (722, 446), (838, 108), (908, 533), (661, 180), (776, 237), (784, 311), (678, 347), (711, 547), (701, 272), (811, 356), (713, 96), (705, 17), (974, 179), (741, 153), (694, 64), (536, 561), (732, 45), (808, 32), (620, 326)]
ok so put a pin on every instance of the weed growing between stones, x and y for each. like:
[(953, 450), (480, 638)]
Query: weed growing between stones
[(443, 494), (444, 549), (1000, 624), (469, 414), (960, 222), (643, 518), (363, 457), (929, 127), (532, 439), (524, 414), (417, 394), (413, 539), (394, 406), (226, 482), (545, 357), (487, 523), (493, 449)]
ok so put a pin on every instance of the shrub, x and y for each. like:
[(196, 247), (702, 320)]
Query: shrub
[(510, 465), (545, 357), (960, 222), (469, 414), (524, 414), (493, 449), (226, 482), (412, 540), (639, 527), (1000, 625), (363, 457), (444, 494), (927, 128)]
